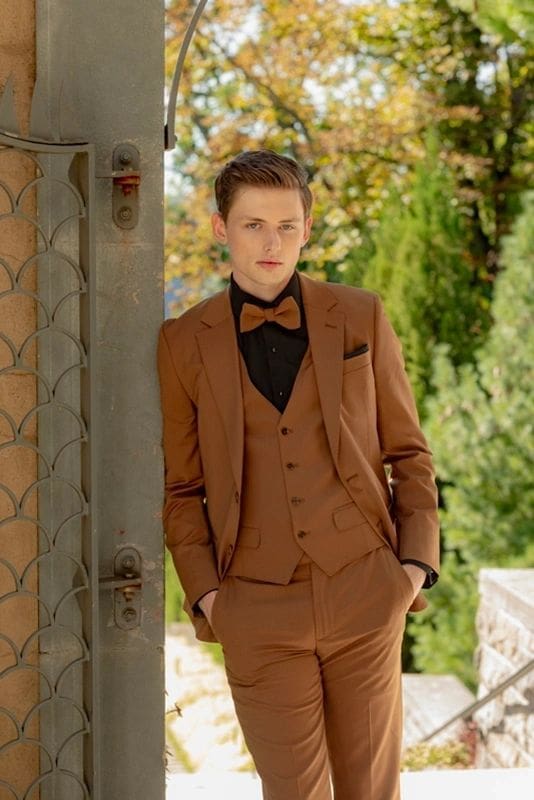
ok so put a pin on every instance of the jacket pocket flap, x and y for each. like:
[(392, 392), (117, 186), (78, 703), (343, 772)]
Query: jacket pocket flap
[(348, 516)]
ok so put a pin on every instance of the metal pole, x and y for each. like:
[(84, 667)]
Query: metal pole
[(470, 709), (170, 138)]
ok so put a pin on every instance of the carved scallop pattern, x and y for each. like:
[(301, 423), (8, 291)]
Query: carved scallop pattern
[(46, 579)]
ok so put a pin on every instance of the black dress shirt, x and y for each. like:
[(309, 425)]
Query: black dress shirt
[(273, 354)]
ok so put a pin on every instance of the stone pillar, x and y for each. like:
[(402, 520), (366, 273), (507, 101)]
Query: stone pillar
[(19, 690), (505, 623)]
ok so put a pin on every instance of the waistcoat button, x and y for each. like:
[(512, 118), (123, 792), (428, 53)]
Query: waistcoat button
[(291, 465), (236, 497), (302, 534), (297, 500), (285, 431)]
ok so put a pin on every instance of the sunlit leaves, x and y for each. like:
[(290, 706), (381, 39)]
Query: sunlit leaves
[(350, 89)]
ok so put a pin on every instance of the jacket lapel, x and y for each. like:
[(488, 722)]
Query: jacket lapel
[(326, 333), (220, 355)]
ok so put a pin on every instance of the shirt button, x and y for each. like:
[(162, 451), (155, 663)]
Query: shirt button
[(302, 534), (285, 431), (280, 393), (273, 349), (297, 500)]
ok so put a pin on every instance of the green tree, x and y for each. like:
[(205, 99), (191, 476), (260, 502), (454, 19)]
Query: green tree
[(349, 89), (424, 272), (480, 427)]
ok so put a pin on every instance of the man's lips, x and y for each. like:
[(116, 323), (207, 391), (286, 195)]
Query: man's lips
[(269, 262)]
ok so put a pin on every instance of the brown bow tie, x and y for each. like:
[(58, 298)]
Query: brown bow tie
[(286, 313)]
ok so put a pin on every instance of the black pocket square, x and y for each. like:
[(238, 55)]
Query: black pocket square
[(363, 348)]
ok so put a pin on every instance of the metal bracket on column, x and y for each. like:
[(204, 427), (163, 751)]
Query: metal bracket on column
[(126, 177), (126, 181), (127, 585)]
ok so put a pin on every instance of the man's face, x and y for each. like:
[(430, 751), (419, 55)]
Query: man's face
[(264, 231)]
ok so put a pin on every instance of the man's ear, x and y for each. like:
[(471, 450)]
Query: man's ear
[(218, 227), (307, 230)]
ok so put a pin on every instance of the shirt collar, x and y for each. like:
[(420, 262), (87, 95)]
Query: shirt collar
[(238, 296)]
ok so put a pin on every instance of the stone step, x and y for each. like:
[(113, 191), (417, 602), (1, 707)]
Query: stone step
[(489, 784)]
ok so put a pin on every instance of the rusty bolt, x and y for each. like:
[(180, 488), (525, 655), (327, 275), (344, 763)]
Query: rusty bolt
[(128, 563), (125, 157), (129, 614), (128, 593), (125, 214)]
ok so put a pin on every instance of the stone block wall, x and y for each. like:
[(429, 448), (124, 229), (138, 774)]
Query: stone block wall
[(505, 625)]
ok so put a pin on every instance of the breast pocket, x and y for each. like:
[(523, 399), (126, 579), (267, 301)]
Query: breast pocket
[(351, 363)]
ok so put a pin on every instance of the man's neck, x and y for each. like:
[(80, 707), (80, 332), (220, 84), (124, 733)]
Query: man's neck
[(265, 293)]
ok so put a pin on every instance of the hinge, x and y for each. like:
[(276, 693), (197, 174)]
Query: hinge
[(126, 583), (126, 177)]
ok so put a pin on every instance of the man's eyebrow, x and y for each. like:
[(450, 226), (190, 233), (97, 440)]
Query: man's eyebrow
[(259, 219)]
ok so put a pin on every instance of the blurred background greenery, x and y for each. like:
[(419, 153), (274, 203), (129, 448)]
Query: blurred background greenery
[(414, 121)]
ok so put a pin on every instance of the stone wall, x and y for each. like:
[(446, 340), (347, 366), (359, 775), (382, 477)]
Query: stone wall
[(505, 624)]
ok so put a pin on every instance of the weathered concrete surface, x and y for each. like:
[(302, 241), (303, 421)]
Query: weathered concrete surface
[(505, 623)]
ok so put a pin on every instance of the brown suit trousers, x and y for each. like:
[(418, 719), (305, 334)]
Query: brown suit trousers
[(315, 668)]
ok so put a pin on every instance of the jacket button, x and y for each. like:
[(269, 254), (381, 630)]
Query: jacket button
[(302, 534)]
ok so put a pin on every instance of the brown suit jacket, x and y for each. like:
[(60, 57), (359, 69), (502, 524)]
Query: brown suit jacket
[(198, 364)]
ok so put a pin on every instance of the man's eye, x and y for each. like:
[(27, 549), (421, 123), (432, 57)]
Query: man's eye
[(288, 227), (253, 225)]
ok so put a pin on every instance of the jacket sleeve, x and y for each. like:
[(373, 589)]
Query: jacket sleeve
[(185, 521), (404, 449)]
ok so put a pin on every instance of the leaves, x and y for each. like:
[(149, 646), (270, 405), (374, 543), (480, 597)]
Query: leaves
[(480, 424), (350, 89)]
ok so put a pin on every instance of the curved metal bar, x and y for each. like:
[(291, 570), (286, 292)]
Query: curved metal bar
[(35, 561), (14, 574), (68, 740), (18, 214), (43, 178), (52, 773), (41, 146), (5, 785), (170, 138), (55, 253)]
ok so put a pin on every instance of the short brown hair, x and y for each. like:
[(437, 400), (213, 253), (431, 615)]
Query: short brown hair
[(260, 168)]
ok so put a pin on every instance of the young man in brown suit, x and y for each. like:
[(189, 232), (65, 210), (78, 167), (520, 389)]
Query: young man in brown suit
[(284, 402)]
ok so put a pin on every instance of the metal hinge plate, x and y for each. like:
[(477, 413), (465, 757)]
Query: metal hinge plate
[(126, 583)]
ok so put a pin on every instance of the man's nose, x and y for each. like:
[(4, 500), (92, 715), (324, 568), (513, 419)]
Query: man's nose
[(272, 241)]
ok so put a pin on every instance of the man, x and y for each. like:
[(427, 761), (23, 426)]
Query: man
[(284, 403)]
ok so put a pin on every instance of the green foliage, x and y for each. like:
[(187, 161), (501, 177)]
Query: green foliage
[(349, 89), (509, 19), (174, 594), (420, 267), (480, 426), (452, 755)]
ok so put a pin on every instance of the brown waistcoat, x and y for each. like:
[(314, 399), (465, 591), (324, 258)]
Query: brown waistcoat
[(292, 497)]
